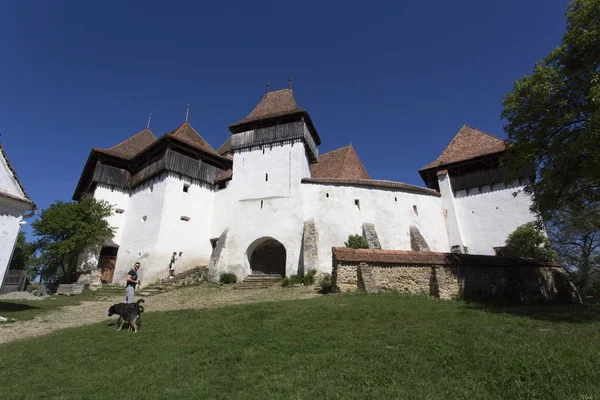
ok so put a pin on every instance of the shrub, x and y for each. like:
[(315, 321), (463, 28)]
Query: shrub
[(528, 241), (286, 282), (326, 286), (228, 277), (309, 278), (356, 242), (296, 279)]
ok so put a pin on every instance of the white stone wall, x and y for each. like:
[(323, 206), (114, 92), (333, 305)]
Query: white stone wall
[(336, 217), (10, 219), (490, 213), (449, 208), (119, 200)]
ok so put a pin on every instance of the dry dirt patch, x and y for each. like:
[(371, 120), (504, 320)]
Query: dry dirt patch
[(198, 297)]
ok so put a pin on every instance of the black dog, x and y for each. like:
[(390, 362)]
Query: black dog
[(126, 311)]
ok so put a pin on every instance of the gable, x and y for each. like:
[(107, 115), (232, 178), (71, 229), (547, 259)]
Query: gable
[(342, 163)]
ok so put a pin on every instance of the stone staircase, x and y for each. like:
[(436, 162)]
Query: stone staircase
[(259, 281)]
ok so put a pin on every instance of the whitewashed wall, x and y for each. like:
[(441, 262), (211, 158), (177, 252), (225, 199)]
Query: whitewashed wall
[(489, 214), (10, 219), (119, 200), (336, 217)]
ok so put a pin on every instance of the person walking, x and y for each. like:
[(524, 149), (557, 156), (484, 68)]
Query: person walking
[(132, 280)]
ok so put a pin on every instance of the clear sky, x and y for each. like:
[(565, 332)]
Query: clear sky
[(397, 78)]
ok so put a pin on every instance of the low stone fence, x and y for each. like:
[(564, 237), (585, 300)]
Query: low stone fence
[(449, 275)]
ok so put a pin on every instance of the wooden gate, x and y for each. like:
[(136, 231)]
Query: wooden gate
[(14, 281), (107, 263)]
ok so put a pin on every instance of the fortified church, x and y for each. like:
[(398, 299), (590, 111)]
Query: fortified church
[(267, 202)]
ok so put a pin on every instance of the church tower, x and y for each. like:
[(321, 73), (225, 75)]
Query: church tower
[(273, 147)]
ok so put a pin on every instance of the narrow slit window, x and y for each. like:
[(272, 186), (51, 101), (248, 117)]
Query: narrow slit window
[(266, 177), (357, 204), (415, 210), (327, 195), (395, 199), (144, 218), (261, 204), (186, 187), (119, 211), (184, 218)]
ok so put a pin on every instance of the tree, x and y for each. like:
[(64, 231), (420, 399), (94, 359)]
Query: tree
[(575, 237), (23, 257), (528, 241), (553, 118), (356, 242), (66, 230)]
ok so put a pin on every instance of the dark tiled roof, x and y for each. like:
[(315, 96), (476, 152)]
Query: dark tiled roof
[(467, 144), (132, 146), (372, 183), (273, 104), (348, 255), (342, 163), (225, 147), (224, 176), (188, 135), (25, 198)]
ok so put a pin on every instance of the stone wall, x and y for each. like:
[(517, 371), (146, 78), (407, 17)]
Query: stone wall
[(449, 276)]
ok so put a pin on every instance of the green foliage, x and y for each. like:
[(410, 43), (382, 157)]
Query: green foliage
[(23, 257), (66, 230), (553, 118), (326, 286), (356, 242), (286, 282), (528, 241), (296, 279), (228, 277), (309, 277)]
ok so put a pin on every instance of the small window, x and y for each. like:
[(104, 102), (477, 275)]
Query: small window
[(144, 218), (395, 199), (327, 195), (151, 188), (357, 204), (184, 218), (415, 210), (266, 177), (261, 204), (263, 151), (186, 187), (119, 211)]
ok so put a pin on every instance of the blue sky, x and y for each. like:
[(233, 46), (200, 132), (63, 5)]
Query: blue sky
[(397, 79)]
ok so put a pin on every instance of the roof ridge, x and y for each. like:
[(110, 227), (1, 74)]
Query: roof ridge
[(331, 151), (131, 137)]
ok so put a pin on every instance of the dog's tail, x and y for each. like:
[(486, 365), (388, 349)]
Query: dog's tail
[(140, 301)]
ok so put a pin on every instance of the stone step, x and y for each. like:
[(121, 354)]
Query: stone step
[(263, 278), (243, 286)]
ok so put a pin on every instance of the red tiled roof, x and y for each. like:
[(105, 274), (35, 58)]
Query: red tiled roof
[(25, 198), (129, 148), (339, 164), (349, 255), (467, 144), (273, 104), (187, 134), (225, 147), (224, 176), (373, 183)]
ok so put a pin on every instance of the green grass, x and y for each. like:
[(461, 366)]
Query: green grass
[(22, 310), (335, 347)]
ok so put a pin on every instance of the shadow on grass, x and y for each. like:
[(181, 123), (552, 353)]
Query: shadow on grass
[(571, 313), (8, 307)]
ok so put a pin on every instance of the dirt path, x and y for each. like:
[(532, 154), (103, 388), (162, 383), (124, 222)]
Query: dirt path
[(198, 297)]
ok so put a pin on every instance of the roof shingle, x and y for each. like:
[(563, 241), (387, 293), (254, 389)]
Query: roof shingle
[(467, 144), (273, 104), (342, 163), (187, 134), (131, 147), (349, 255)]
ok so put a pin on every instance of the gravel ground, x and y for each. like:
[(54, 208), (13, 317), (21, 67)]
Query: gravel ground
[(19, 296), (198, 297)]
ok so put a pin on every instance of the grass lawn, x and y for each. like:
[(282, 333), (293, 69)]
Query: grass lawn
[(335, 347), (22, 310)]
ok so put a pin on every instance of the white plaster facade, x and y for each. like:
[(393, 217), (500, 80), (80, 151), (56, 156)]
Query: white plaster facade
[(15, 206), (272, 195)]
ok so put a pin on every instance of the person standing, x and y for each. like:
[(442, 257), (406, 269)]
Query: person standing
[(132, 280)]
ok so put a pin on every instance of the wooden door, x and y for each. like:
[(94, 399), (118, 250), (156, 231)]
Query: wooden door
[(107, 266)]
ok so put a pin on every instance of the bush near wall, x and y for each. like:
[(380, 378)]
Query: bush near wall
[(228, 277)]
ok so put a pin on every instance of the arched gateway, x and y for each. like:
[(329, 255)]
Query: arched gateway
[(267, 256)]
